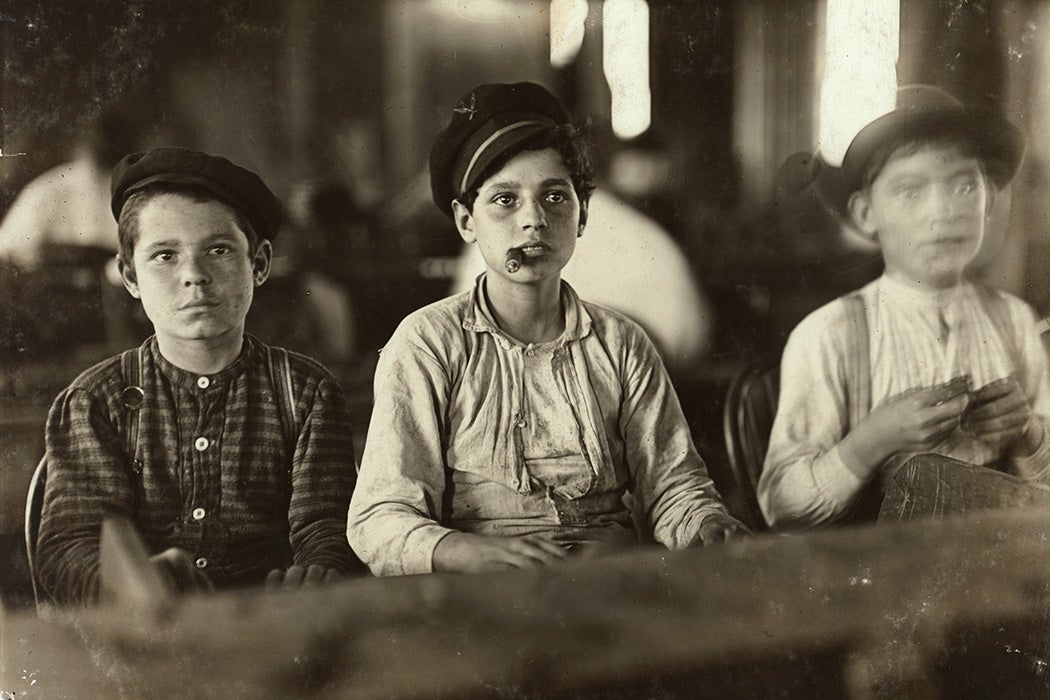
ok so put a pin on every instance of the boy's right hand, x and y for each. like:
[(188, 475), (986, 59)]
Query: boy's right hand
[(916, 421), (177, 567), (468, 553)]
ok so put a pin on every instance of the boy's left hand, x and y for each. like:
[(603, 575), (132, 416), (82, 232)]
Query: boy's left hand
[(296, 577), (1000, 415), (719, 528)]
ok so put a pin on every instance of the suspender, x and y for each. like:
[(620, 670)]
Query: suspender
[(858, 357), (281, 381), (134, 396), (858, 360), (997, 307)]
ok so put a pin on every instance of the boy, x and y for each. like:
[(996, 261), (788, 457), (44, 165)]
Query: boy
[(920, 359), (511, 420), (220, 495)]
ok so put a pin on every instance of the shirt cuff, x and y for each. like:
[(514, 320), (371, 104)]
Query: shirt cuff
[(834, 479), (1036, 466), (418, 557)]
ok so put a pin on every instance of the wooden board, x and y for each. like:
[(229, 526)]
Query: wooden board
[(860, 612), (930, 486)]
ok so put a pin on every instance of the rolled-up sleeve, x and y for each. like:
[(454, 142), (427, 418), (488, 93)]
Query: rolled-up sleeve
[(671, 480), (397, 505)]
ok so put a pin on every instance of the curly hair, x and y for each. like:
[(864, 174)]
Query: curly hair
[(567, 140)]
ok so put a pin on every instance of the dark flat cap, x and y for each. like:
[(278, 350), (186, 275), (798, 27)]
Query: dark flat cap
[(924, 111), (485, 123), (229, 183)]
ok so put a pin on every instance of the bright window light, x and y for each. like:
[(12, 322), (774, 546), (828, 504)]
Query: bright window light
[(860, 70), (568, 21), (625, 56)]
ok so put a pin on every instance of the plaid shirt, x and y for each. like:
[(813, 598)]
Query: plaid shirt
[(216, 477)]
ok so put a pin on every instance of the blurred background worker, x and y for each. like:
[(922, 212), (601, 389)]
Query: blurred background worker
[(57, 242), (68, 206)]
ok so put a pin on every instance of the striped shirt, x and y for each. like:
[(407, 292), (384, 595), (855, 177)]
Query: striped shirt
[(215, 476), (916, 339)]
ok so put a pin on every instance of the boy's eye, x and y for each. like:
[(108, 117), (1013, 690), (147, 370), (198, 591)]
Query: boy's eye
[(557, 197), (910, 192), (503, 199), (220, 249), (163, 256), (966, 187)]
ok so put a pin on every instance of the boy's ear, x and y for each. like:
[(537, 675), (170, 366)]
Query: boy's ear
[(464, 221), (860, 212), (261, 262), (127, 276)]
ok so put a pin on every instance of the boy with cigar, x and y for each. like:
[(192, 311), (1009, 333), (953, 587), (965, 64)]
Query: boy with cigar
[(510, 421)]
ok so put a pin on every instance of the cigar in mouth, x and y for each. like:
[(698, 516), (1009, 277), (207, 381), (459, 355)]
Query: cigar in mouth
[(514, 257)]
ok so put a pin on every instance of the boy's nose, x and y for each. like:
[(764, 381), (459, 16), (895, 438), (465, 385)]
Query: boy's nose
[(533, 215), (194, 273)]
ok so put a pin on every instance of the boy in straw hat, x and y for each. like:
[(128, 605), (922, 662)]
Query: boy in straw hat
[(233, 459), (511, 420), (920, 359)]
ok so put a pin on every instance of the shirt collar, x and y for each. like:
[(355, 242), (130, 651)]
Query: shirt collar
[(188, 380), (479, 318), (920, 297)]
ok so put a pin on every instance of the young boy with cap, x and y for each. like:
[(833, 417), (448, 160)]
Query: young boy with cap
[(920, 359), (511, 420), (232, 458)]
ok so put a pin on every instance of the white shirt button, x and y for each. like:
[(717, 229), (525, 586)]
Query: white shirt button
[(203, 382), (521, 423), (201, 444), (201, 562), (199, 513)]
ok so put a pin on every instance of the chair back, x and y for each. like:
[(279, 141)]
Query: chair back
[(34, 508), (751, 406)]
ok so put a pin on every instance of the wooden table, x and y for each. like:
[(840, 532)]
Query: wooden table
[(896, 610)]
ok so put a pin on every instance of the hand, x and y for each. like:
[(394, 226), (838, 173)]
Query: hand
[(469, 553), (720, 528), (296, 577), (916, 421), (1001, 416), (177, 568)]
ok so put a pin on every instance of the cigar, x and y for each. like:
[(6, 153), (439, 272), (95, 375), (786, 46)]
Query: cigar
[(514, 257)]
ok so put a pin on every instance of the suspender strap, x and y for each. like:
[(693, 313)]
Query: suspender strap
[(133, 395), (997, 306), (281, 380), (858, 360)]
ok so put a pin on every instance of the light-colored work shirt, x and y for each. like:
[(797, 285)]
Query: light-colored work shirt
[(474, 431), (67, 205), (917, 338)]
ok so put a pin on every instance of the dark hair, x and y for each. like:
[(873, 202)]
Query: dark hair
[(907, 144), (567, 140), (128, 223)]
